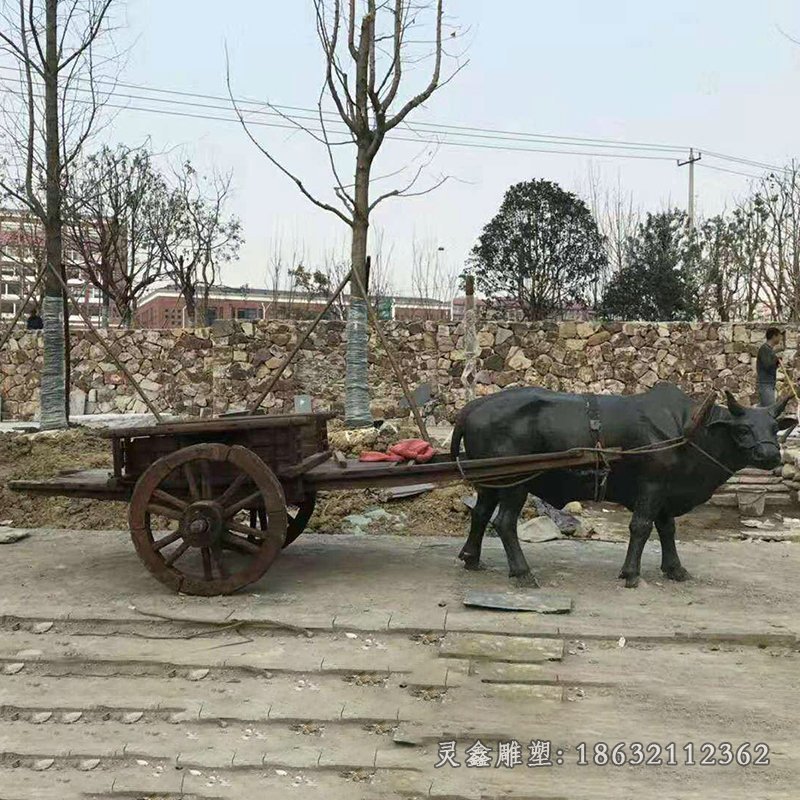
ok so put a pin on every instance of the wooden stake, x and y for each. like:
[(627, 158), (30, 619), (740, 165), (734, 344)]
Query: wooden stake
[(7, 334), (105, 346), (300, 342)]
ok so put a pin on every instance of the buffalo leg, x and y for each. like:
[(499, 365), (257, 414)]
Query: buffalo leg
[(641, 527), (670, 563), (484, 508), (511, 502)]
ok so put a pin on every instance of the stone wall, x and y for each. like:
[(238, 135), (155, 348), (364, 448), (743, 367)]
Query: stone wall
[(213, 370)]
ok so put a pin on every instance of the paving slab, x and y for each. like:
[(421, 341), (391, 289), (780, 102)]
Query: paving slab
[(501, 648), (711, 660)]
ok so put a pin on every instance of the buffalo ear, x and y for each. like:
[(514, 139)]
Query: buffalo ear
[(778, 408), (727, 423), (734, 406)]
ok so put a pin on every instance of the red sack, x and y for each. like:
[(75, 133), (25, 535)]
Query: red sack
[(413, 450), (373, 455)]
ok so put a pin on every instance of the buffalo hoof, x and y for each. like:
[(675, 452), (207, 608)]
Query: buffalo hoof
[(471, 561), (678, 573), (525, 581), (631, 582)]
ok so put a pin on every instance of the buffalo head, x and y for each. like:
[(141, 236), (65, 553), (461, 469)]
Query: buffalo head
[(755, 430)]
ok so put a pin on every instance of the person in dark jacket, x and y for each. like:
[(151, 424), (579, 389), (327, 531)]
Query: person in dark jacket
[(34, 321), (767, 364)]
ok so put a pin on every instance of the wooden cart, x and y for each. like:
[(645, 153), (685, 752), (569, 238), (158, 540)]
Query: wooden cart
[(212, 502)]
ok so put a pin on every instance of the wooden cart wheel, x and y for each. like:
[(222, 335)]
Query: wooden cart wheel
[(297, 522), (210, 550)]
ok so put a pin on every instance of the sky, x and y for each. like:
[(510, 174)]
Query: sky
[(716, 75)]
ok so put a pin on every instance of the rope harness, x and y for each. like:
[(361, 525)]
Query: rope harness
[(601, 473)]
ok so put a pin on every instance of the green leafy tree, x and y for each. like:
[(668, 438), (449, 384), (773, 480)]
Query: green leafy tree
[(658, 280), (541, 251)]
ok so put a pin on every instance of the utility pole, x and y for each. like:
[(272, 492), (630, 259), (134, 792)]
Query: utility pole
[(691, 162)]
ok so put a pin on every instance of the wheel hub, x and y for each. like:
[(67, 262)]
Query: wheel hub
[(202, 524)]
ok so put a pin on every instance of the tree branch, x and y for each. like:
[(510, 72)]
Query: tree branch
[(281, 167)]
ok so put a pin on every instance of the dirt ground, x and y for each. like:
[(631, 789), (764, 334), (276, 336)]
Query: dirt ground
[(353, 665), (43, 455)]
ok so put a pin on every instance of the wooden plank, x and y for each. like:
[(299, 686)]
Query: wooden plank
[(202, 427), (96, 484)]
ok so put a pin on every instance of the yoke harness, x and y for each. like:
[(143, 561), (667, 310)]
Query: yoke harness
[(602, 469)]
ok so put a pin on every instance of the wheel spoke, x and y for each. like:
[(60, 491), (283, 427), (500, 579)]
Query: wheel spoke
[(242, 504), (177, 553), (240, 527), (164, 511), (207, 573), (191, 480), (170, 499), (233, 542), (205, 480), (230, 492), (172, 537), (216, 554)]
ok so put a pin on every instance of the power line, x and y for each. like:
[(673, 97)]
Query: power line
[(394, 137), (333, 118), (730, 171), (746, 161), (488, 137)]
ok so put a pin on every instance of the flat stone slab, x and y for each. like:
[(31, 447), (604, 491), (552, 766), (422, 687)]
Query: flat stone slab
[(520, 649), (540, 602), (493, 672), (11, 535)]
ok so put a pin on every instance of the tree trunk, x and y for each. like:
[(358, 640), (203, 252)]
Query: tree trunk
[(104, 302), (53, 378), (356, 398), (191, 309), (67, 348)]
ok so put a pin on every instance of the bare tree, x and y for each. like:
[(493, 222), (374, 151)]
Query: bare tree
[(115, 199), (49, 110), (617, 217), (370, 47), (431, 278), (781, 274), (195, 236), (284, 260)]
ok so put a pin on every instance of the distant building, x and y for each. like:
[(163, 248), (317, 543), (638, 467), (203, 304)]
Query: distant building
[(503, 308), (578, 311), (22, 250), (164, 307), (509, 309)]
